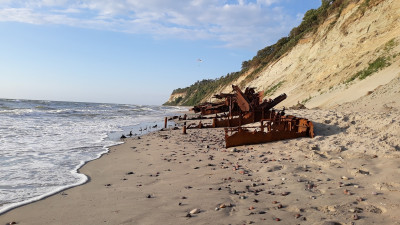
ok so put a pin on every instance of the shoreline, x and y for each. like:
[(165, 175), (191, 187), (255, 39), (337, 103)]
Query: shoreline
[(111, 136), (342, 175), (60, 189)]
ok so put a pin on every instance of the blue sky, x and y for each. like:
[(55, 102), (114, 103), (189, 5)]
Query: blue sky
[(131, 51)]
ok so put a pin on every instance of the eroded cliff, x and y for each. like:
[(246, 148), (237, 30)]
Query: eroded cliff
[(353, 52)]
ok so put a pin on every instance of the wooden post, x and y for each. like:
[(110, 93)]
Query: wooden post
[(165, 122), (184, 129)]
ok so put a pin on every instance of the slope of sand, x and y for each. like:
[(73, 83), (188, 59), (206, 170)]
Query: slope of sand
[(349, 174), (317, 68)]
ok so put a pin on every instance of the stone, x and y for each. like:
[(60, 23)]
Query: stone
[(195, 211), (332, 208)]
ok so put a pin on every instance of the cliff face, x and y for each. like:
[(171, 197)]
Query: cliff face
[(175, 98), (352, 53)]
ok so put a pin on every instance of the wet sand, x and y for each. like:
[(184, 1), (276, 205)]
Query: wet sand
[(348, 174)]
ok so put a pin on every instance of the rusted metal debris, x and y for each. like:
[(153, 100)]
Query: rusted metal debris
[(243, 108), (286, 127), (210, 108)]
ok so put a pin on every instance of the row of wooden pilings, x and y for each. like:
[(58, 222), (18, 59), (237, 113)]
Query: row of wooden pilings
[(184, 125)]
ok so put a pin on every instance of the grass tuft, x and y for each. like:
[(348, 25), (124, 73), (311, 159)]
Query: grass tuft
[(373, 67), (272, 89)]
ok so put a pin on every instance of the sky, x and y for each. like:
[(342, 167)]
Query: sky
[(132, 51)]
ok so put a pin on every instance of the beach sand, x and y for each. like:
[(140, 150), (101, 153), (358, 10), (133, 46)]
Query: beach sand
[(348, 174)]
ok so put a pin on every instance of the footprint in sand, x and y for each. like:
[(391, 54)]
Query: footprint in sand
[(374, 209), (275, 168)]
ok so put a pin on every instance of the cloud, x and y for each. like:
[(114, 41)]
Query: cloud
[(234, 23)]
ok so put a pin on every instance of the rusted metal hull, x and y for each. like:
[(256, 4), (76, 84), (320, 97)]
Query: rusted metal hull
[(251, 117), (210, 108), (213, 111), (248, 118), (259, 113), (249, 107), (286, 128)]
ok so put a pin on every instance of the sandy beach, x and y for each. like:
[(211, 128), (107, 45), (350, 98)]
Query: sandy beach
[(78, 75), (347, 174)]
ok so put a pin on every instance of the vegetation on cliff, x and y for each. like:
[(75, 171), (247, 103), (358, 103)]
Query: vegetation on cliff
[(381, 62), (312, 19), (196, 92)]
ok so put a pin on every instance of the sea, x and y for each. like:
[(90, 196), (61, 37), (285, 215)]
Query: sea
[(44, 143)]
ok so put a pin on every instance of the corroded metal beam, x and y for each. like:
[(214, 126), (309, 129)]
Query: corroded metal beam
[(285, 128)]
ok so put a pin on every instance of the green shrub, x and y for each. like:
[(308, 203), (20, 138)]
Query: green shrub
[(390, 45), (272, 89), (306, 100), (373, 67)]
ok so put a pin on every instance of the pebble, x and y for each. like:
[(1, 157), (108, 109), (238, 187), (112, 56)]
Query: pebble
[(234, 150), (345, 178), (355, 210), (355, 217), (195, 211)]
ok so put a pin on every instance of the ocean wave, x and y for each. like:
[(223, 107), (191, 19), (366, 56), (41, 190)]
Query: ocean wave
[(46, 142)]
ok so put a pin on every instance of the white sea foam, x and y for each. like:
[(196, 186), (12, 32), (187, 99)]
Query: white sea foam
[(43, 144)]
